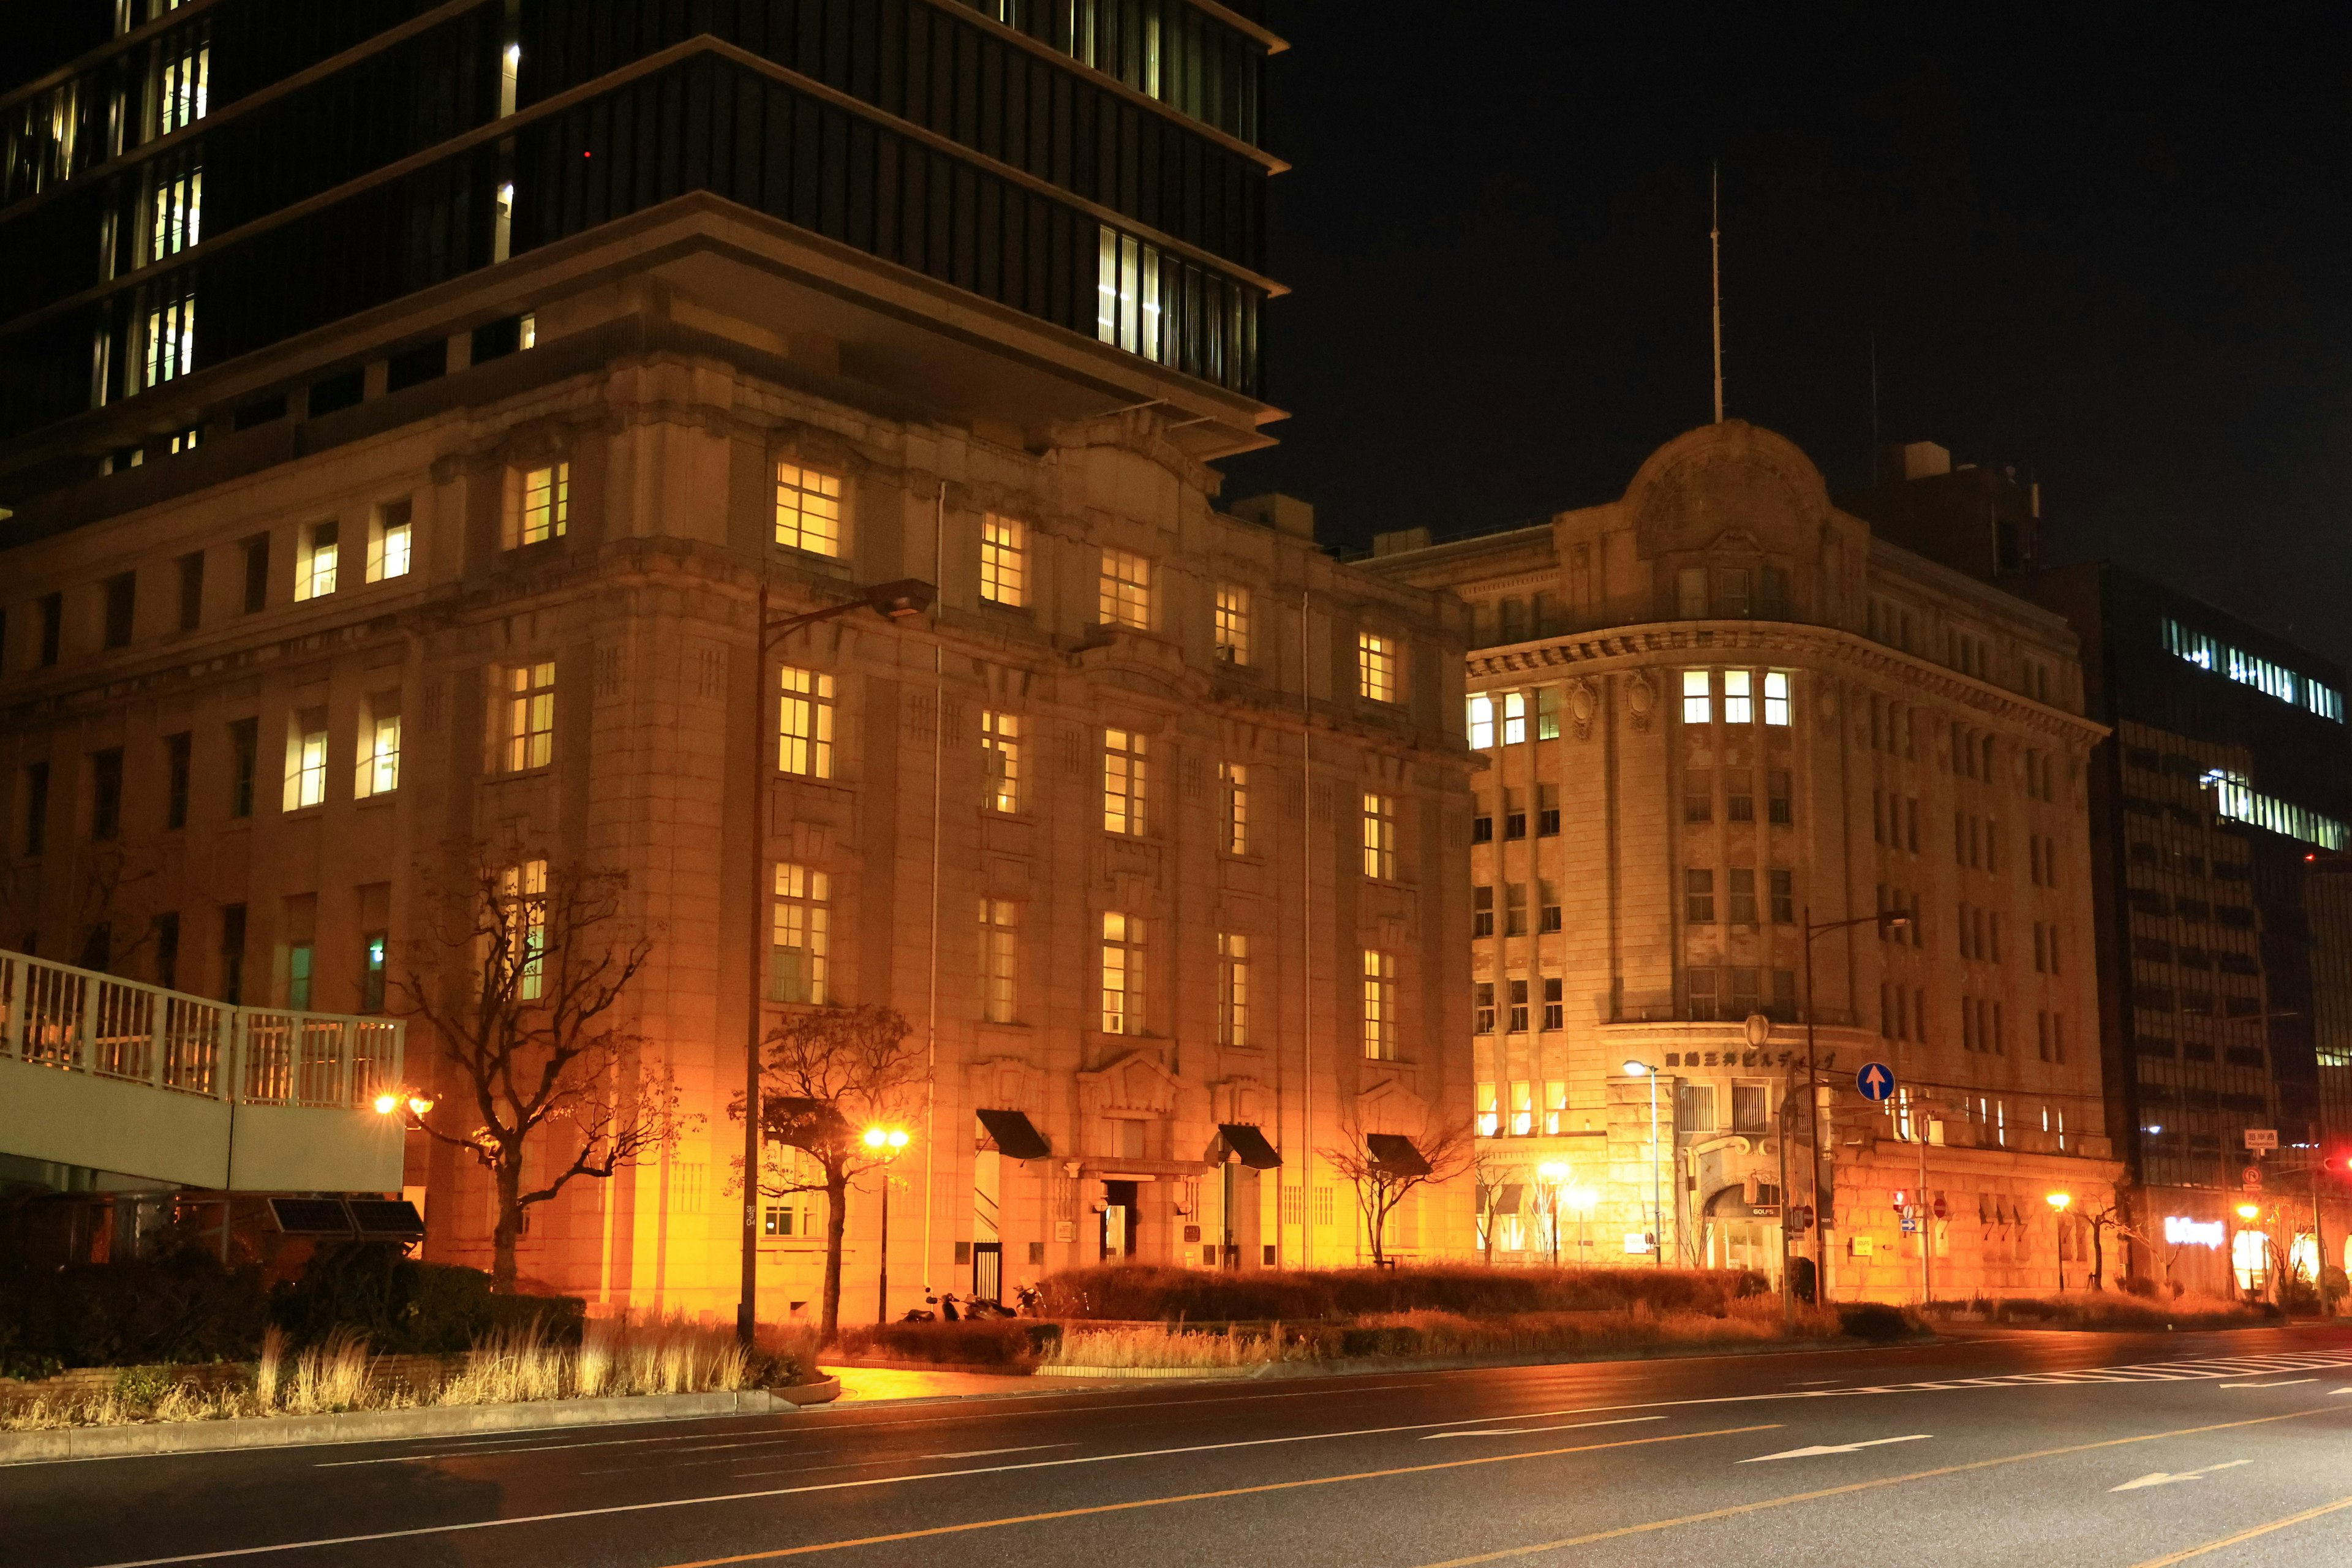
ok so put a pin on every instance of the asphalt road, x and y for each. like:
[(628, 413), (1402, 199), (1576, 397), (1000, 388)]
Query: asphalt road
[(2085, 1450)]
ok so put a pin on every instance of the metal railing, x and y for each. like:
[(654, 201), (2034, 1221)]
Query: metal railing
[(77, 1020)]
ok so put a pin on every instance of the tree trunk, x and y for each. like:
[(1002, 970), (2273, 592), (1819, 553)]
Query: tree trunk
[(837, 1206), (507, 1174), (2098, 1256)]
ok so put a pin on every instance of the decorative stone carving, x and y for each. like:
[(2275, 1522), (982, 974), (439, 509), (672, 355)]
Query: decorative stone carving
[(1640, 699), (1133, 1084), (1583, 702)]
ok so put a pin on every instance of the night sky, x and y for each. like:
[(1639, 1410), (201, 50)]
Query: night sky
[(2117, 257)]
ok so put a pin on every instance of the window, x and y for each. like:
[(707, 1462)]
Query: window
[(177, 219), (306, 759), (1751, 1107), (1124, 596), (1547, 713), (1738, 700), (1547, 906), (1514, 909), (256, 573), (1553, 1011), (1000, 752), (1776, 698), (314, 568), (800, 935), (1772, 594), (1698, 697), (538, 504), (1701, 980), (1482, 910), (1379, 836), (1546, 811), (378, 771), (1515, 813), (1690, 594), (371, 972), (1122, 973), (171, 336), (808, 509), (1376, 666), (1743, 896), (106, 794), (1380, 1006), (121, 607), (177, 753), (1127, 291), (1482, 820), (166, 927), (1489, 1117), (245, 764), (1233, 624), (1784, 897), (1481, 1008), (1775, 784), (522, 905), (191, 590), (1126, 781), (1698, 897), (300, 958), (1739, 795), (1233, 784), (805, 722), (529, 733), (1232, 989), (232, 954), (999, 958), (1004, 560), (1699, 795), (1482, 722), (388, 542), (1696, 1110), (1514, 718), (1731, 592)]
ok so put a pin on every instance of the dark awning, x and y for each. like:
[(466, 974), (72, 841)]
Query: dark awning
[(1393, 1155), (1015, 1138), (1508, 1197), (1244, 1138)]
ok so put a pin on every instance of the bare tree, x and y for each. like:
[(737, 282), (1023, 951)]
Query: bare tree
[(2127, 1216), (524, 992), (829, 1074), (1494, 1171), (1386, 1167)]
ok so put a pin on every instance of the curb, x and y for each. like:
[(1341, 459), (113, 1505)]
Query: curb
[(1256, 1370), (389, 1425), (819, 1391)]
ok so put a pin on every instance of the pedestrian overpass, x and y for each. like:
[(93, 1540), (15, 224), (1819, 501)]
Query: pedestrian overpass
[(106, 1074)]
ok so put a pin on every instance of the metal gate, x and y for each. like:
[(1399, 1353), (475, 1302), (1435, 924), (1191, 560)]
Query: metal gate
[(988, 1271)]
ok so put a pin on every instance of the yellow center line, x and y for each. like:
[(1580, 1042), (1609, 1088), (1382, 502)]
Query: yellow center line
[(2341, 1502), (1735, 1510), (1207, 1497)]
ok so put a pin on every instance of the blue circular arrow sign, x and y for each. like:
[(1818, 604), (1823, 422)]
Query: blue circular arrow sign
[(1876, 1082)]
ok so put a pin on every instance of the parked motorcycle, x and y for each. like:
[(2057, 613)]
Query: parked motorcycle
[(1031, 1301)]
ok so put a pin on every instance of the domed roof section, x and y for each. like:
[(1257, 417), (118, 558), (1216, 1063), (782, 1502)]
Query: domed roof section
[(1732, 481)]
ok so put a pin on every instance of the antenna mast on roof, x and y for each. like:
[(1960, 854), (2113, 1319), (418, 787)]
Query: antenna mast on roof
[(1715, 249)]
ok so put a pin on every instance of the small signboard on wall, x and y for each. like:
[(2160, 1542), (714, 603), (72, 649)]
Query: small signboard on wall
[(2262, 1138)]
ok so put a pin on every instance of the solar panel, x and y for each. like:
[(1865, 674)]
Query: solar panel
[(386, 1217), (310, 1216)]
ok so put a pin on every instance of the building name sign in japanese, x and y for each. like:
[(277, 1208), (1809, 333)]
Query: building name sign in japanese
[(2182, 1231)]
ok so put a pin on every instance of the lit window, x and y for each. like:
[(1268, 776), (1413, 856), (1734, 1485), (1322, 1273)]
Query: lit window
[(543, 504), (1233, 624), (1776, 697), (1380, 835), (805, 723), (999, 958), (1547, 713), (314, 572), (305, 760), (1234, 779), (1698, 698), (522, 908), (808, 509), (1380, 1006), (171, 339), (1000, 746), (530, 716), (1739, 703), (1489, 1117), (378, 771), (1232, 988), (1482, 722), (1127, 294), (178, 217), (1125, 599), (1522, 1108), (1122, 975), (1004, 560), (799, 931), (388, 542), (1376, 666), (1514, 718), (1126, 781), (182, 83)]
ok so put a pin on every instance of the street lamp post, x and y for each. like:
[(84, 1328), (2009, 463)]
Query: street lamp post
[(894, 601), (1657, 1191), (2058, 1202), (1824, 1178), (888, 1143)]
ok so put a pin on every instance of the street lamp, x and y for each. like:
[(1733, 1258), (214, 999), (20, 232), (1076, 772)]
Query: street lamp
[(2247, 1215), (894, 601), (1637, 1069), (887, 1144), (2058, 1202), (1553, 1174), (1824, 1179), (414, 1101)]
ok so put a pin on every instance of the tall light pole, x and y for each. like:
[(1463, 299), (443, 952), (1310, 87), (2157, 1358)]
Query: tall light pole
[(886, 1143), (2058, 1202), (1824, 1178), (895, 601), (1657, 1180)]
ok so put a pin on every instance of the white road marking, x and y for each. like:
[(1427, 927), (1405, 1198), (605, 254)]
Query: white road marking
[(1818, 1382), (2163, 1479), (1837, 1447), (986, 1453), (1516, 1431), (2290, 1382)]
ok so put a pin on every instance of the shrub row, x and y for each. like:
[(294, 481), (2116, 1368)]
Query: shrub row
[(1134, 1292)]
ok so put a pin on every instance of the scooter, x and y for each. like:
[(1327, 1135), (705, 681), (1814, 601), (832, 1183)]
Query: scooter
[(1031, 1301)]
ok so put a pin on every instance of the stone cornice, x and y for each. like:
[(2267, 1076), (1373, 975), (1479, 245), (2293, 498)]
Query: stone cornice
[(1795, 643)]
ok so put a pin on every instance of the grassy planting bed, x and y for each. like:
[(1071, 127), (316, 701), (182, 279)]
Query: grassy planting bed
[(2100, 1311)]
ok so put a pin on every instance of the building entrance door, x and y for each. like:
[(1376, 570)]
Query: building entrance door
[(988, 1271), (1118, 1233)]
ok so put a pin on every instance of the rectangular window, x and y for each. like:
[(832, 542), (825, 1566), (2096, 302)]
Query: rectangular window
[(1232, 989), (1738, 700), (300, 959), (1546, 811), (1233, 625), (800, 935), (1698, 897), (1482, 910), (256, 573), (171, 337), (1482, 820), (1547, 906), (1514, 909), (232, 954), (388, 542), (1233, 784), (178, 751), (999, 958), (1515, 813), (1699, 795), (1522, 1108), (306, 759), (1376, 666), (808, 509), (1489, 1116), (1000, 752), (177, 220), (121, 607), (53, 626), (1126, 781), (191, 590), (1776, 698), (530, 730), (1778, 796), (1482, 722), (539, 505), (1126, 288), (1743, 896), (1547, 713), (1701, 980), (1380, 1006), (1784, 897), (378, 769), (1554, 1009), (1698, 697), (522, 904), (1739, 795), (1482, 1007), (371, 972), (1122, 973), (166, 927), (1123, 597), (1751, 1107), (1695, 1109), (314, 566), (106, 794), (1004, 560), (245, 764), (1514, 718), (1690, 594), (805, 722), (1379, 836)]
